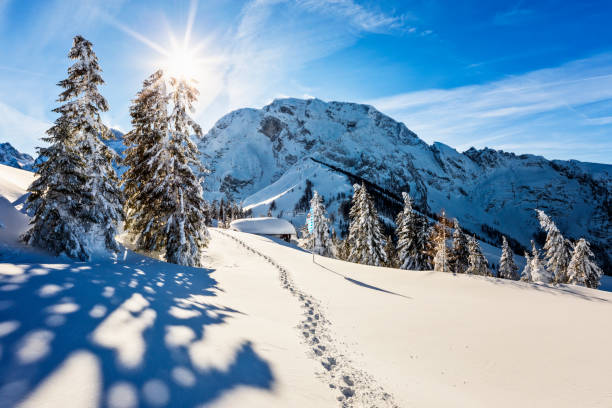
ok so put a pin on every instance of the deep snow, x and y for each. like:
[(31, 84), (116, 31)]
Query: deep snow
[(136, 331)]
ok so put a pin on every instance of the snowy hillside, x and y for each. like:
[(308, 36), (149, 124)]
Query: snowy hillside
[(12, 157), (263, 155), (264, 326)]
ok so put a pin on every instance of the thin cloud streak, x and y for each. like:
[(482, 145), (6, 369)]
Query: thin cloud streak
[(551, 104)]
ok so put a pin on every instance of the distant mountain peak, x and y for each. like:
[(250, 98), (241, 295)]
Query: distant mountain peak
[(262, 155), (12, 157)]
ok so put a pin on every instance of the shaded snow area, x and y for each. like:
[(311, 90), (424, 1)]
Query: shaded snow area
[(264, 326)]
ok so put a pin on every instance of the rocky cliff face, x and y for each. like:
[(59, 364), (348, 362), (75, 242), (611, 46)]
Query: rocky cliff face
[(12, 157), (260, 156)]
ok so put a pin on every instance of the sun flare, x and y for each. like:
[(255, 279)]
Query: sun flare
[(181, 62)]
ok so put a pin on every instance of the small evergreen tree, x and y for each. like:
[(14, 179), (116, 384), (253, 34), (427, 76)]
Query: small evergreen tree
[(441, 258), (507, 267), (319, 241), (365, 236), (538, 270), (582, 270), (478, 262), (558, 249), (410, 239), (435, 234), (459, 254), (526, 274)]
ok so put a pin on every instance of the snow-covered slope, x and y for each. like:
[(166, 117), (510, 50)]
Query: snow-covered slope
[(262, 155), (264, 326), (12, 157)]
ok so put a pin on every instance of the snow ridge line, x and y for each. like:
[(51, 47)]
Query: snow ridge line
[(357, 388)]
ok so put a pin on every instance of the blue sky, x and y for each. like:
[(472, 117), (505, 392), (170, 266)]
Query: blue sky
[(529, 77)]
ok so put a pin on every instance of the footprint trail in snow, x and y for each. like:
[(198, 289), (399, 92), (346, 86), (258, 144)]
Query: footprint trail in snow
[(355, 387)]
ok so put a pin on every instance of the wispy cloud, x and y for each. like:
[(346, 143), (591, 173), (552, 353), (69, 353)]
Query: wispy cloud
[(20, 130), (358, 15), (271, 40), (568, 103)]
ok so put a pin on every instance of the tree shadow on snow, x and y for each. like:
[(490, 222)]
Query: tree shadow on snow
[(362, 284), (138, 317)]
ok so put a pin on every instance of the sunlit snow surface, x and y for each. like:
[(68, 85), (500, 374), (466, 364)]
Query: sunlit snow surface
[(134, 331)]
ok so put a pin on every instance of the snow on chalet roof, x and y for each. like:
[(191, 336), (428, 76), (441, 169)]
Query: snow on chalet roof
[(263, 225)]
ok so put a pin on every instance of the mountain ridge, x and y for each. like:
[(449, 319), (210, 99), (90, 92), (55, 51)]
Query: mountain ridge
[(250, 150)]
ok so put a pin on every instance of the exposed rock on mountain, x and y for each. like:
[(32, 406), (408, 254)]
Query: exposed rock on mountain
[(280, 153)]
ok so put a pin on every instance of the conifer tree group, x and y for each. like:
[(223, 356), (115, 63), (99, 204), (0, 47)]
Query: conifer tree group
[(563, 262), (76, 200)]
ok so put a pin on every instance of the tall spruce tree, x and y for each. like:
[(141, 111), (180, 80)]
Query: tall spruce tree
[(56, 197), (582, 270), (410, 238), (558, 249), (507, 267), (318, 240), (538, 270), (366, 240), (478, 262), (99, 198), (459, 254), (182, 205), (141, 181)]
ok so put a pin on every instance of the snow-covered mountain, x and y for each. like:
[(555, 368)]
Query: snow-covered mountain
[(12, 157), (282, 151)]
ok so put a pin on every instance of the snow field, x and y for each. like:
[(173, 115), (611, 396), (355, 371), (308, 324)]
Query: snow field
[(355, 387), (435, 339)]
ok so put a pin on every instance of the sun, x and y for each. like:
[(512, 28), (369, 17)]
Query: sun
[(181, 63)]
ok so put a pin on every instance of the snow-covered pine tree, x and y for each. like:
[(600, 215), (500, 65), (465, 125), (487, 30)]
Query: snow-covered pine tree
[(538, 270), (366, 240), (526, 273), (391, 253), (100, 202), (319, 241), (149, 113), (410, 239), (459, 253), (582, 270), (56, 197), (179, 203), (507, 267), (478, 262), (558, 249)]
